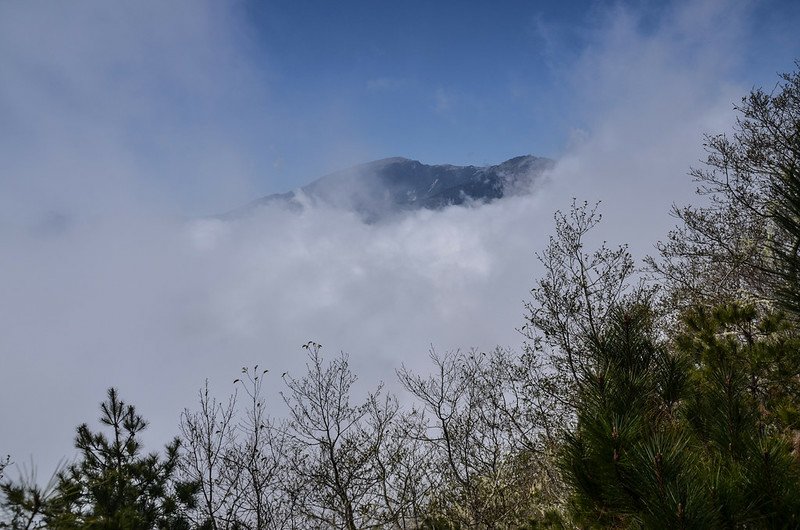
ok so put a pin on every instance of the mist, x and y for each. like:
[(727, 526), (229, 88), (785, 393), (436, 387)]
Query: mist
[(115, 271)]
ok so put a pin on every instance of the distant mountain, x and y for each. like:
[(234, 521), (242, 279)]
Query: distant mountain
[(379, 189)]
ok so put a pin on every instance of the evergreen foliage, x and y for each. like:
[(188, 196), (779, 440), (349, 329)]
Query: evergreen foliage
[(112, 485), (699, 429), (670, 405), (699, 435)]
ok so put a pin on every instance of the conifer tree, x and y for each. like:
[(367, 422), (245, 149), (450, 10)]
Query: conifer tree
[(112, 485), (625, 406), (697, 435), (742, 412)]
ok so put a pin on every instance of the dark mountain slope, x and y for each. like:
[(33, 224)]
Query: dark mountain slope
[(385, 187)]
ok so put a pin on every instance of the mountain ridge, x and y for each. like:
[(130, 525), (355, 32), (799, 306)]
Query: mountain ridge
[(388, 186)]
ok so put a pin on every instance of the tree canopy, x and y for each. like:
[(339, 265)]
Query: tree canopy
[(660, 397)]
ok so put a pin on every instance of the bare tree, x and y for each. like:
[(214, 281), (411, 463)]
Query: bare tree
[(580, 287), (570, 309), (725, 247), (483, 472), (238, 460), (341, 452), (402, 466), (208, 436), (330, 464), (261, 457)]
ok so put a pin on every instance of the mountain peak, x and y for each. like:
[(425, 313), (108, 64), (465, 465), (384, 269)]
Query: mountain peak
[(386, 187)]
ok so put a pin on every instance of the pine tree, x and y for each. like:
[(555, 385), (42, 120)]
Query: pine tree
[(624, 460), (742, 412), (694, 435), (112, 485)]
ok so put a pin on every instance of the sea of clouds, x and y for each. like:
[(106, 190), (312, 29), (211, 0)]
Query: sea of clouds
[(106, 280)]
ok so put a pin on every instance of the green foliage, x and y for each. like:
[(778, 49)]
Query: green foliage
[(24, 502), (615, 415), (692, 436), (623, 454), (112, 485), (745, 386)]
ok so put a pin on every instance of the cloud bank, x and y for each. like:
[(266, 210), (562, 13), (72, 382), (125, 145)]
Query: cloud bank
[(106, 282)]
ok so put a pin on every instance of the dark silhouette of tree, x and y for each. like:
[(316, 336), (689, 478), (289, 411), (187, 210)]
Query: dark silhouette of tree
[(112, 485)]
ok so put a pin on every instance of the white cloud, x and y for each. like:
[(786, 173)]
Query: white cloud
[(108, 107), (124, 294)]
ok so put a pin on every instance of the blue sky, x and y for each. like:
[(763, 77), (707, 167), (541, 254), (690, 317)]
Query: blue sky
[(441, 81), (213, 104), (454, 82)]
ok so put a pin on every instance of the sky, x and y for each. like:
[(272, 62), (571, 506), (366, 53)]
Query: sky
[(124, 127)]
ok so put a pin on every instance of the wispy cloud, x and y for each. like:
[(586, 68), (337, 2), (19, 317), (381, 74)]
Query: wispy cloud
[(444, 100), (386, 84), (103, 284), (106, 105)]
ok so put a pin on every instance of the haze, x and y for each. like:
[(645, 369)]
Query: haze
[(125, 127)]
